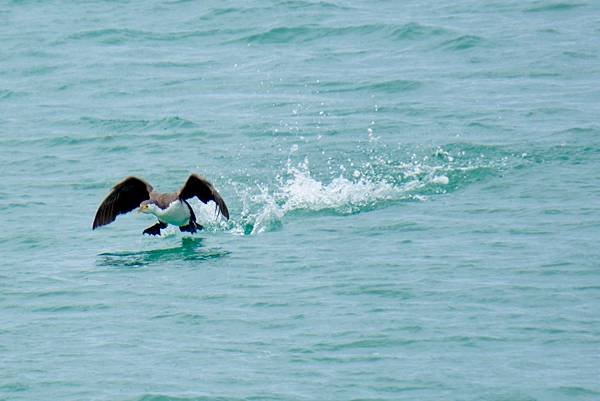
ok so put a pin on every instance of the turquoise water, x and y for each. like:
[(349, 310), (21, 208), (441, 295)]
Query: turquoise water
[(413, 187)]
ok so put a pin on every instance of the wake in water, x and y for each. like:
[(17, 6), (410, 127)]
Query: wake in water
[(374, 180), (188, 249), (300, 191)]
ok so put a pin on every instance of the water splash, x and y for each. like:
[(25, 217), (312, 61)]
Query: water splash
[(361, 189), (375, 176)]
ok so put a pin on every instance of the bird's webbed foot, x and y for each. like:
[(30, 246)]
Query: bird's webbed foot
[(192, 227), (155, 229)]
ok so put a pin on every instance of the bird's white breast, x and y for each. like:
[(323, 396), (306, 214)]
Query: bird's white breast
[(177, 214)]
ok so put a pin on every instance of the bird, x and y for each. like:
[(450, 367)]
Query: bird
[(170, 208)]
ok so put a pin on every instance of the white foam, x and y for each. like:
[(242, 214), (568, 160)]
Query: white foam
[(302, 191), (352, 190), (440, 179)]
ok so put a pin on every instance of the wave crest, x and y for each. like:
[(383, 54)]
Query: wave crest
[(300, 191)]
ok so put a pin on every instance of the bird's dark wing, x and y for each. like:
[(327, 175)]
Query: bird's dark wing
[(203, 190), (124, 197)]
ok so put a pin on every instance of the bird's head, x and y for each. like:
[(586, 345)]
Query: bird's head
[(147, 207)]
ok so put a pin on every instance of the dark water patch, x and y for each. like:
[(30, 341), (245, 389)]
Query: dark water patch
[(185, 318), (191, 249), (395, 86), (577, 391), (381, 290), (68, 140), (496, 74), (113, 36), (414, 31), (117, 125), (57, 293), (545, 111), (544, 74), (115, 149), (347, 359), (403, 227), (7, 94), (366, 343), (28, 204), (71, 308), (485, 125), (87, 185), (122, 125), (162, 65), (509, 396), (320, 5), (15, 387), (165, 397), (39, 70), (544, 330), (580, 55), (588, 288), (392, 87), (529, 231), (568, 153), (309, 33), (220, 12), (590, 131), (262, 304), (554, 7), (108, 141), (464, 42)]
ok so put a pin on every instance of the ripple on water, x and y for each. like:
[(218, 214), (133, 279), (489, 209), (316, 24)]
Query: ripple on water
[(190, 250)]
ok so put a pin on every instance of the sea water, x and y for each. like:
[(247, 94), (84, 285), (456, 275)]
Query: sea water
[(413, 188)]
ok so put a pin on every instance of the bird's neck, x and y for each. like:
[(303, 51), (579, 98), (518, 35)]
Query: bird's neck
[(155, 210)]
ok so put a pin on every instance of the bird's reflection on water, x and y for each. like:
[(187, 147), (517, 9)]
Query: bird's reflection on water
[(191, 249)]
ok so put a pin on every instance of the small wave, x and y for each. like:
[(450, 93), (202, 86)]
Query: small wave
[(311, 33), (71, 308), (577, 391), (463, 42), (553, 7), (114, 36), (9, 94), (38, 70), (122, 125), (164, 397), (414, 31), (300, 4), (307, 33), (393, 86)]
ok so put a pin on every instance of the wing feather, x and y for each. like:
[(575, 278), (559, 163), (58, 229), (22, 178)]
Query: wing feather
[(202, 189), (124, 197)]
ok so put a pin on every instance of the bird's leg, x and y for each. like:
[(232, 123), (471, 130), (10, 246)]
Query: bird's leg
[(155, 229), (192, 227)]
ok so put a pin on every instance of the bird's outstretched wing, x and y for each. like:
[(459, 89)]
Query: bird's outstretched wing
[(198, 186), (124, 197)]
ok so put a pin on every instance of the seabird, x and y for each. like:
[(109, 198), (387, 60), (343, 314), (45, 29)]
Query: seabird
[(170, 208)]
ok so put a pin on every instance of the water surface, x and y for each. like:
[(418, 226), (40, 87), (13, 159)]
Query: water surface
[(413, 190)]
